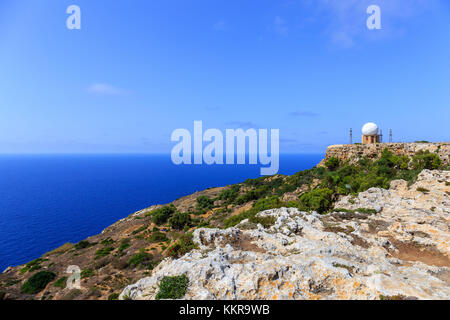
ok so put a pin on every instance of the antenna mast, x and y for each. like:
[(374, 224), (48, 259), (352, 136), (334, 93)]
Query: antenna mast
[(390, 135), (351, 136)]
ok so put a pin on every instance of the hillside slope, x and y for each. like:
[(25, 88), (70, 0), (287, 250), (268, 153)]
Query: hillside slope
[(401, 251)]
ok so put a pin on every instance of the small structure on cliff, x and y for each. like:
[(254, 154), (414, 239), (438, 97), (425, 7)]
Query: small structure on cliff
[(370, 133)]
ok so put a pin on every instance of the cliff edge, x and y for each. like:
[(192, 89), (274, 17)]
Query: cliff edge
[(354, 152)]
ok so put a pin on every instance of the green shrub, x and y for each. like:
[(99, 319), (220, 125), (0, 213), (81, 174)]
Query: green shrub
[(103, 252), (172, 287), (266, 222), (125, 244), (229, 195), (204, 203), (360, 210), (113, 296), (319, 200), (204, 224), (332, 163), (139, 230), (32, 265), (61, 282), (254, 194), (161, 215), (87, 273), (83, 244), (366, 210), (141, 258), (157, 237), (106, 242), (11, 282), (180, 220), (37, 282), (261, 205), (183, 245), (426, 160)]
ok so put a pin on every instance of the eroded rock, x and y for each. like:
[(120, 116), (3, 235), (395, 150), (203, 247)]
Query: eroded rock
[(402, 250)]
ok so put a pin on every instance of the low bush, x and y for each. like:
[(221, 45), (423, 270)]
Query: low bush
[(139, 230), (332, 163), (87, 273), (157, 237), (103, 252), (229, 195), (32, 265), (125, 244), (319, 200), (37, 282), (172, 287), (141, 258), (360, 210), (426, 160), (266, 222), (106, 242), (183, 245), (423, 190), (83, 244), (161, 215), (261, 205), (113, 296), (180, 220), (204, 203), (61, 282)]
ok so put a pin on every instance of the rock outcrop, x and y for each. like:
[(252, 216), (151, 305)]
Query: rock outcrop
[(398, 249), (353, 152)]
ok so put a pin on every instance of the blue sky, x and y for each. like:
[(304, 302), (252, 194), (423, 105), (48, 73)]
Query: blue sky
[(137, 70)]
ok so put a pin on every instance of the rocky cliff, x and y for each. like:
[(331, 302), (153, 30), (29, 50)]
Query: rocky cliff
[(399, 250), (353, 152)]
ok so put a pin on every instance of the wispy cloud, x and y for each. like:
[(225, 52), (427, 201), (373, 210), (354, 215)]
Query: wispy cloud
[(220, 26), (241, 124), (280, 26), (306, 114), (106, 89), (346, 19)]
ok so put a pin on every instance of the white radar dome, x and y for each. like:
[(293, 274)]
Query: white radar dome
[(370, 129)]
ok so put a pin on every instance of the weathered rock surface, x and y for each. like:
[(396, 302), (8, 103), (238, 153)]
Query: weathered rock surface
[(402, 250)]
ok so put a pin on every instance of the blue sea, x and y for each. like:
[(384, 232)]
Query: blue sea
[(48, 200)]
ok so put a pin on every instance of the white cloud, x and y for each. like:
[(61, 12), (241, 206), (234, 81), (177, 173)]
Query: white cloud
[(241, 124), (280, 26), (220, 25), (106, 89), (346, 19)]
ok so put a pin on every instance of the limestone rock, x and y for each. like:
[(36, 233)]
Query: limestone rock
[(403, 250), (354, 152)]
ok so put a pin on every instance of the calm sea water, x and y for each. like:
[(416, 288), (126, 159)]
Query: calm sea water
[(48, 200)]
